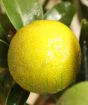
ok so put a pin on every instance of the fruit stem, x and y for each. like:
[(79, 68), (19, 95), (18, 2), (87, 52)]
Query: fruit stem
[(32, 98)]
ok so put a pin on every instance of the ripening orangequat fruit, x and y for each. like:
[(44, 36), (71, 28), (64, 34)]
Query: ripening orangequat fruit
[(44, 56), (76, 95)]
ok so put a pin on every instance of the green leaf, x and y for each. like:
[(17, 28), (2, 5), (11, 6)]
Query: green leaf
[(3, 53), (63, 12), (84, 49), (23, 12), (17, 96), (5, 22)]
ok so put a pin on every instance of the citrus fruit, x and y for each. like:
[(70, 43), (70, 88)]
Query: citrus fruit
[(44, 56), (76, 95)]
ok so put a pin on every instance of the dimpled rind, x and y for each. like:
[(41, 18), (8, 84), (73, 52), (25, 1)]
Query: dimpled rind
[(76, 95), (44, 56)]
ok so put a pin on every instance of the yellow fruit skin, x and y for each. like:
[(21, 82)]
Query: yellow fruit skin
[(44, 56)]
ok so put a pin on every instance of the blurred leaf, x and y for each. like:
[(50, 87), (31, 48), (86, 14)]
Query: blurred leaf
[(84, 48), (68, 0), (5, 27), (17, 96), (3, 53), (3, 34), (63, 12), (23, 12), (2, 74), (3, 47), (84, 8), (5, 84), (6, 80), (5, 23), (2, 31)]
